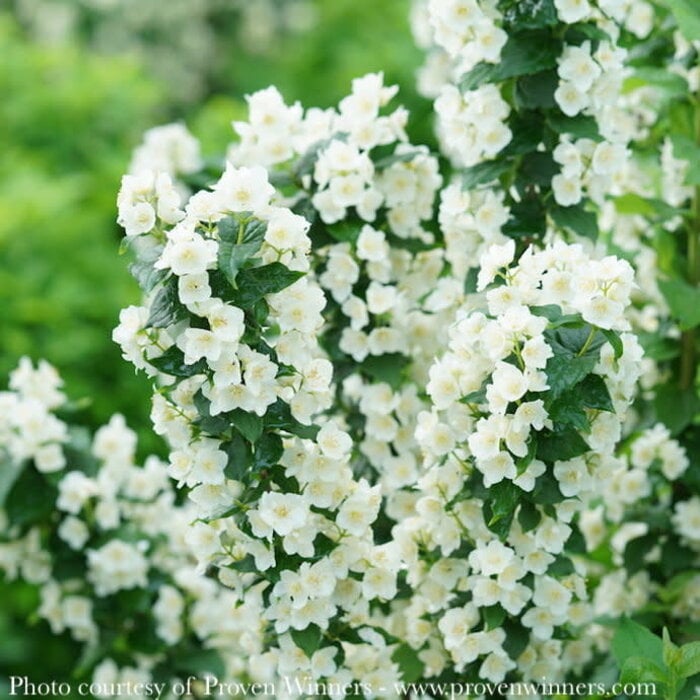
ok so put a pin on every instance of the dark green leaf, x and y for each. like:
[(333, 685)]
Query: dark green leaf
[(345, 231), (546, 491), (537, 91), (581, 127), (500, 506), (10, 470), (483, 173), (560, 445), (172, 362), (568, 410), (249, 425), (615, 341), (593, 393), (166, 308), (308, 639), (577, 219), (386, 368), (256, 282), (538, 168), (525, 53), (529, 516), (31, 498), (268, 450), (636, 550), (528, 218), (279, 417), (240, 241), (528, 132), (239, 458)]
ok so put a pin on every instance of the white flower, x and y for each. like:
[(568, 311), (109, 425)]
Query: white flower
[(333, 442), (283, 512), (567, 191), (509, 381)]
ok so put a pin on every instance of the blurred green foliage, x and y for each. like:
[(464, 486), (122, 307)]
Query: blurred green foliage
[(69, 121)]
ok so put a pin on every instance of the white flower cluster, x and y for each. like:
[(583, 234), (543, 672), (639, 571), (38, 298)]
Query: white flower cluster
[(468, 30), (106, 525), (492, 397), (471, 222), (167, 149), (28, 429), (636, 16), (346, 176), (587, 167), (471, 126)]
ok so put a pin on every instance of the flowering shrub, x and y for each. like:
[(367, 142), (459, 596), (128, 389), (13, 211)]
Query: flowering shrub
[(406, 393)]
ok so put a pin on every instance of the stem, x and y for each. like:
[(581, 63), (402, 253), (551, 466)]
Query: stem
[(688, 339)]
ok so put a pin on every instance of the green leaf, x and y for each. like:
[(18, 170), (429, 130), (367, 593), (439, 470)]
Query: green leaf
[(638, 669), (686, 148), (567, 367), (500, 506), (411, 667), (579, 32), (593, 393), (172, 362), (637, 549), (31, 498), (581, 126), (560, 445), (689, 663), (268, 451), (675, 408), (529, 516), (213, 425), (576, 219), (10, 470), (615, 341), (655, 209), (249, 425), (483, 173), (528, 218), (240, 241), (166, 308), (537, 168), (386, 368), (345, 231), (201, 661), (256, 282), (239, 458), (687, 14), (672, 84), (633, 640), (147, 276), (279, 417), (525, 53), (684, 301), (567, 410), (528, 132), (546, 491), (494, 615), (308, 639)]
